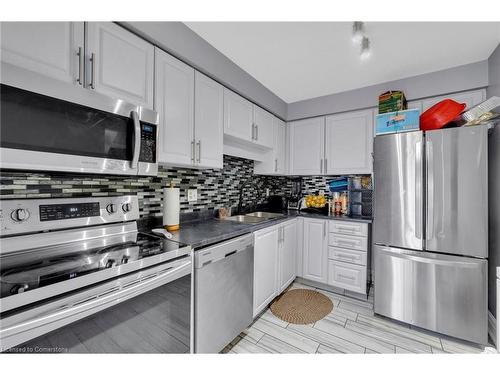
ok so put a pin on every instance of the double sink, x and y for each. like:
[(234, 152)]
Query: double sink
[(254, 217)]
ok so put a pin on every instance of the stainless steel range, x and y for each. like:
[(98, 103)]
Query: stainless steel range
[(77, 276)]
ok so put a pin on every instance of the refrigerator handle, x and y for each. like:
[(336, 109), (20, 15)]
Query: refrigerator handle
[(430, 190), (418, 189)]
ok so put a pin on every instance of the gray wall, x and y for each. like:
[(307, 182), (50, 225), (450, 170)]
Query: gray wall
[(494, 73), (182, 42), (461, 78), (494, 185)]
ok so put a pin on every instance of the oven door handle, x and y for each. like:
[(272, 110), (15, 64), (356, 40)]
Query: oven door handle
[(137, 139), (19, 332)]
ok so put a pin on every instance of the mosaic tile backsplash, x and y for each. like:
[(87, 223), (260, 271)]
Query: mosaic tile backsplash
[(216, 187)]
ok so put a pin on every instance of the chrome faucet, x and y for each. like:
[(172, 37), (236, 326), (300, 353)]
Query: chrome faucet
[(249, 181)]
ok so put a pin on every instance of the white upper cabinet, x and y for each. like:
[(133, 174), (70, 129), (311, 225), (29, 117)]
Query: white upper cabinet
[(471, 98), (265, 268), (287, 253), (174, 102), (306, 142), (120, 64), (263, 127), (209, 122), (238, 116), (47, 48), (315, 257), (279, 146), (275, 160), (349, 143)]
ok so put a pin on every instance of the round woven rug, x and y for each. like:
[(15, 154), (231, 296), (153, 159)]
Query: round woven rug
[(301, 306)]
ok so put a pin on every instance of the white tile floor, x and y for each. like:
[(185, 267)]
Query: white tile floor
[(351, 327)]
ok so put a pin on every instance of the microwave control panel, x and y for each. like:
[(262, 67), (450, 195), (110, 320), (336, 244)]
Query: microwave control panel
[(148, 143)]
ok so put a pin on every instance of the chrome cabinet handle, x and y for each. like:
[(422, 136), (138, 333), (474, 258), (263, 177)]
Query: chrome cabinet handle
[(137, 139), (256, 132), (346, 243), (199, 151), (326, 165), (80, 66), (253, 132), (324, 228), (321, 166), (347, 277), (192, 152), (346, 256), (92, 71), (276, 165)]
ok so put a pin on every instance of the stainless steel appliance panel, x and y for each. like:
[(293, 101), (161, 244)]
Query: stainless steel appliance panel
[(57, 126), (146, 312), (442, 293), (223, 293), (398, 185), (457, 191)]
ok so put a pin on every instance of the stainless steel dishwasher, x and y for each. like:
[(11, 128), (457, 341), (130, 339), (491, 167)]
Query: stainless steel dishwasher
[(223, 293)]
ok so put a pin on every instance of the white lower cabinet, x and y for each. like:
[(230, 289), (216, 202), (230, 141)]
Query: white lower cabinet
[(265, 261), (274, 262), (287, 251), (328, 256), (347, 276), (314, 253)]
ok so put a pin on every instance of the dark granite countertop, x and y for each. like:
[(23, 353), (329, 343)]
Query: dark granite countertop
[(209, 231)]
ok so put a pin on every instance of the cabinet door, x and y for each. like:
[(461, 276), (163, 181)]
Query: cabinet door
[(123, 63), (48, 48), (307, 146), (314, 261), (274, 160), (349, 143), (174, 102), (209, 121), (288, 248), (471, 98), (238, 116), (264, 131), (280, 146), (265, 284)]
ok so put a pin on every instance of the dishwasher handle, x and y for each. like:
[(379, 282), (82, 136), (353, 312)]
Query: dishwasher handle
[(222, 251)]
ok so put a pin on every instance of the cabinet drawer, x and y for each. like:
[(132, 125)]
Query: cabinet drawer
[(347, 276), (347, 242), (350, 228), (344, 255)]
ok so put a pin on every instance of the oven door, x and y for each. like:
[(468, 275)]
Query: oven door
[(145, 312), (75, 130)]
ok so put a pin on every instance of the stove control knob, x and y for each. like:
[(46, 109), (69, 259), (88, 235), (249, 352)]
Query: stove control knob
[(19, 214), (126, 207), (111, 208)]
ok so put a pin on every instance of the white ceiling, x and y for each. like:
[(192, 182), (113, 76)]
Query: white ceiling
[(302, 60)]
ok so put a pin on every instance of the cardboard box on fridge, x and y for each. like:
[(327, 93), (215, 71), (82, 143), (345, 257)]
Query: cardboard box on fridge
[(397, 122), (391, 101)]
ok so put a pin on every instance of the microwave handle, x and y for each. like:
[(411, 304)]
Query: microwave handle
[(137, 140)]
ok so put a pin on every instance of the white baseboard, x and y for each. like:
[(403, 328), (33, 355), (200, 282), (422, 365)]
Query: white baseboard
[(492, 328)]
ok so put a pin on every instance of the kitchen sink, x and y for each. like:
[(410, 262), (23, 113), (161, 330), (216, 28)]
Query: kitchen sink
[(246, 219), (265, 215)]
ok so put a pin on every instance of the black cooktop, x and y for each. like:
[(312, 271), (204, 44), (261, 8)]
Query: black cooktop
[(24, 271)]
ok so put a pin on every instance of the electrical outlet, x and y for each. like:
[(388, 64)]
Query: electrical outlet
[(192, 195)]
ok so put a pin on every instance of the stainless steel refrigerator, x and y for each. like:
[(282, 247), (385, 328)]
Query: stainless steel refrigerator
[(431, 230)]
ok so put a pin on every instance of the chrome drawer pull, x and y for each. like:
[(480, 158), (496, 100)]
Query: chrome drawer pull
[(347, 277), (346, 243)]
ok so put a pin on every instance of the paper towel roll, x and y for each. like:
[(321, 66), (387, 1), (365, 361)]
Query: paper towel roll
[(171, 208)]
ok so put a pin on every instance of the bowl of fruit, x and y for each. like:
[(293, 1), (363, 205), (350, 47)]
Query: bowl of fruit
[(315, 201)]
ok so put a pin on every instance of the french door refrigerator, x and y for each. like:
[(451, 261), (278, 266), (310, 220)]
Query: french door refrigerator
[(431, 230)]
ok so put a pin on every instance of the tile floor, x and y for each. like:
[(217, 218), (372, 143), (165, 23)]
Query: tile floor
[(351, 327)]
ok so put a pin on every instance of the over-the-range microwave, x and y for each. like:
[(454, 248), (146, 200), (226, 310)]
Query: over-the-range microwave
[(70, 129)]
